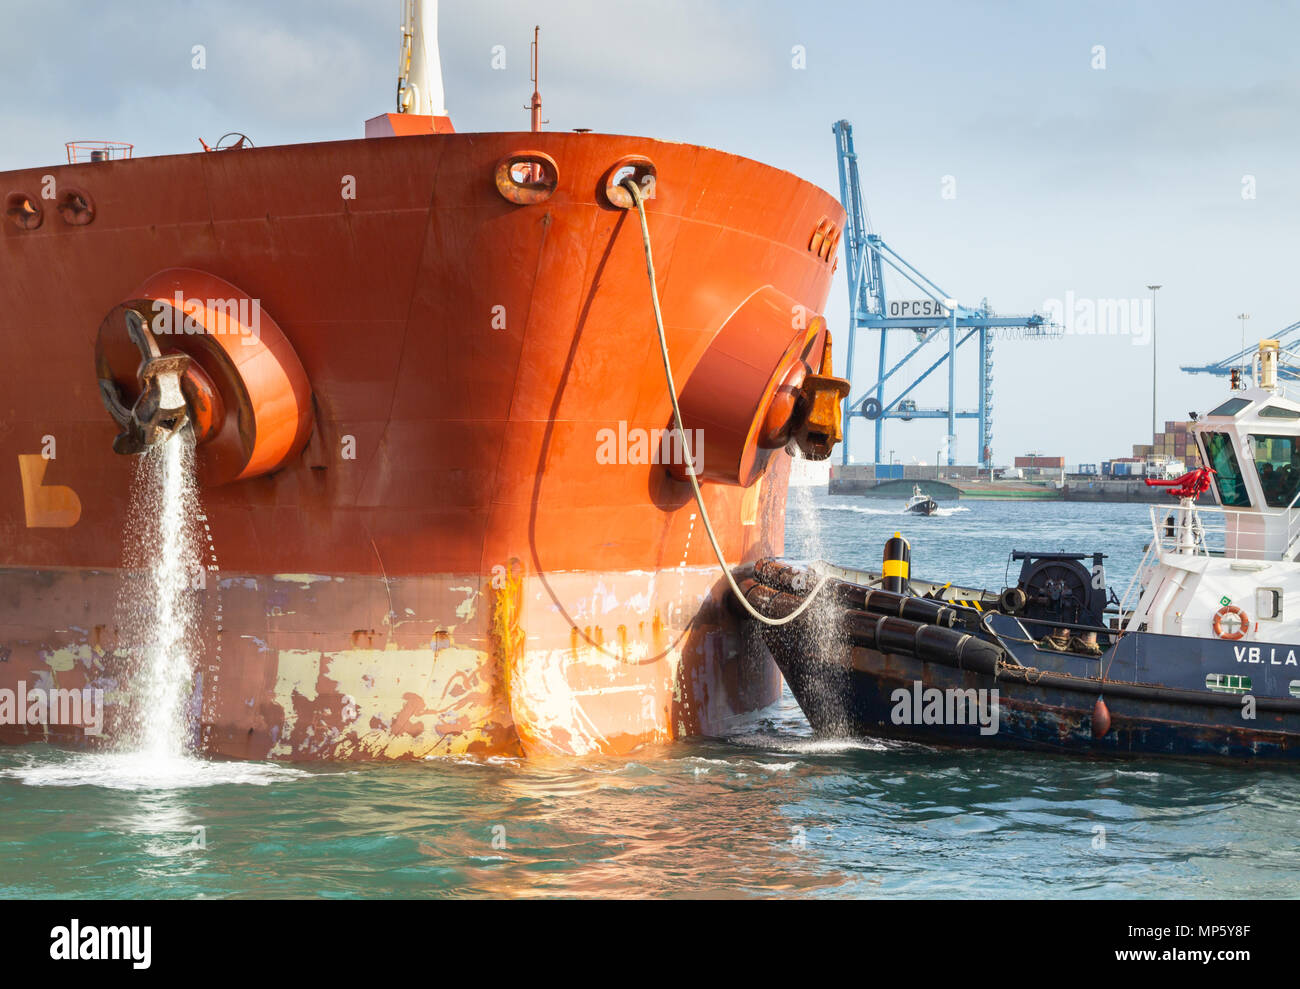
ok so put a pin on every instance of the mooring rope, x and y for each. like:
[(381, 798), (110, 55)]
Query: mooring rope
[(630, 184)]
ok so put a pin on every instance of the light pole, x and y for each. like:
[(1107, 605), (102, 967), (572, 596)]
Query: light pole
[(1243, 317), (1153, 289)]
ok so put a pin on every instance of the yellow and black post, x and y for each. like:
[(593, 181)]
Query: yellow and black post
[(898, 564)]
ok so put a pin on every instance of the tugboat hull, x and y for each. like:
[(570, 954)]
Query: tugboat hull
[(860, 693), (862, 663)]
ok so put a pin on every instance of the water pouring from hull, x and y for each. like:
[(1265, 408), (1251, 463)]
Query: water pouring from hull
[(160, 601)]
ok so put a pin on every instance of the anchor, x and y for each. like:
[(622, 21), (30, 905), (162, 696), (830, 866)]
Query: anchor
[(820, 425), (161, 411)]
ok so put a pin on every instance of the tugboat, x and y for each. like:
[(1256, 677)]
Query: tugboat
[(1200, 657), (920, 503)]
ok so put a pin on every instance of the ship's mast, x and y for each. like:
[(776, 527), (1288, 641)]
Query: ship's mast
[(419, 79), (536, 105)]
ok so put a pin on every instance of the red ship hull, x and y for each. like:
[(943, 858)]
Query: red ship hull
[(447, 559)]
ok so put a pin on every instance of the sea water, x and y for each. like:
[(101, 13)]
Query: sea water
[(770, 810)]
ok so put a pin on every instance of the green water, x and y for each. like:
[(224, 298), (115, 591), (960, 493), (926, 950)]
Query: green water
[(769, 811)]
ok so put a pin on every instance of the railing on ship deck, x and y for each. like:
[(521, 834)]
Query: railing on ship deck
[(1212, 530), (79, 151)]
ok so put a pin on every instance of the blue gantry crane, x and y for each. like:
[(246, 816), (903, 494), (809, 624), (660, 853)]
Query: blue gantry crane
[(1288, 367), (926, 318)]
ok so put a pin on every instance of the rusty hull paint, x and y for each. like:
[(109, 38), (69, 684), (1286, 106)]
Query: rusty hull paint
[(317, 667), (474, 443)]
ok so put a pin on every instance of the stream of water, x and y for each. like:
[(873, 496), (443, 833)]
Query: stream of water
[(159, 606)]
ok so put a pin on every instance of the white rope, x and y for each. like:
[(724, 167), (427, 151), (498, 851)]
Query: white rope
[(631, 186)]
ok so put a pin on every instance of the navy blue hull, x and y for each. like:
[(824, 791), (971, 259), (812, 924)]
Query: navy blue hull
[(868, 700), (873, 662)]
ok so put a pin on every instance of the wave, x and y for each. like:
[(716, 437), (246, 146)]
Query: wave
[(808, 746), (132, 771), (864, 510)]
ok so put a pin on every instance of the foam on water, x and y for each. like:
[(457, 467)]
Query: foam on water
[(811, 746), (158, 610), (145, 771), (703, 818), (865, 510)]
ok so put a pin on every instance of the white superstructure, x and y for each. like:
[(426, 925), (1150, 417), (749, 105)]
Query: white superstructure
[(1230, 570)]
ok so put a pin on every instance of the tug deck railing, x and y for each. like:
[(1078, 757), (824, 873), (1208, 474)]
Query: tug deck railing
[(1269, 534)]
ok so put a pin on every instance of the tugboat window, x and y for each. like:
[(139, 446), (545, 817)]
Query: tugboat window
[(1231, 407), (1268, 604), (1276, 412), (1227, 476), (1277, 459)]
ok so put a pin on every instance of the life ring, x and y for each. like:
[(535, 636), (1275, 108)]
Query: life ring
[(1223, 613)]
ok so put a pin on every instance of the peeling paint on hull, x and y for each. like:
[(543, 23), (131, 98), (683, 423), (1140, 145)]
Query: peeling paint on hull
[(322, 670)]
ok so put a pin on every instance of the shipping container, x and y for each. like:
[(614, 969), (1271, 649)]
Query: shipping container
[(1130, 469)]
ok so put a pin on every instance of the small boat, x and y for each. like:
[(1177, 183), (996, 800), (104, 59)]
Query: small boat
[(1199, 659), (920, 503)]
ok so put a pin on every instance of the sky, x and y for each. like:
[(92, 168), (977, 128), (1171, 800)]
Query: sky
[(1022, 152)]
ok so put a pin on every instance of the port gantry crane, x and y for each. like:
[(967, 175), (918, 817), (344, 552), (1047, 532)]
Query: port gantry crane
[(865, 255), (1288, 365)]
